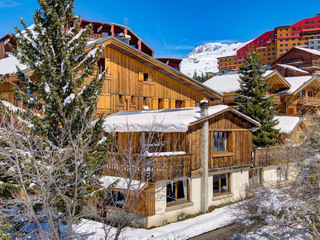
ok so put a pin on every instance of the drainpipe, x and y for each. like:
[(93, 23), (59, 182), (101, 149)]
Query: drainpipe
[(204, 156)]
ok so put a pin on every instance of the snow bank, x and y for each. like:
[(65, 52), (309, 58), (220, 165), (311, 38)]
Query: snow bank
[(287, 124)]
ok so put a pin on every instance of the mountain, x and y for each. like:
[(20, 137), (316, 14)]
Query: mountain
[(204, 58)]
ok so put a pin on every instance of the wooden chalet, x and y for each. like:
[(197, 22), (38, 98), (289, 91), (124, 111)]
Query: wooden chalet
[(180, 161), (229, 85), (134, 81), (298, 61)]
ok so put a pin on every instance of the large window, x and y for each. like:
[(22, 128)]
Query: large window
[(282, 173), (152, 142), (177, 192), (101, 65), (255, 177), (220, 141), (221, 184)]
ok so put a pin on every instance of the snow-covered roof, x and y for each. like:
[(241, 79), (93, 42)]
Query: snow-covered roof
[(122, 183), (165, 120), (9, 65), (229, 82), (287, 124), (309, 50), (296, 83), (292, 68)]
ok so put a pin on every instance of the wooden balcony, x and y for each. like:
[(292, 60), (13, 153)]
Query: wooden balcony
[(309, 101), (263, 157), (148, 169)]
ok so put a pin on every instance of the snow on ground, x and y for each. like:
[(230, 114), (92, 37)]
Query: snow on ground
[(175, 231), (204, 58)]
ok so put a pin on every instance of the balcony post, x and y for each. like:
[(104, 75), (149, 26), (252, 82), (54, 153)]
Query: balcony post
[(204, 156)]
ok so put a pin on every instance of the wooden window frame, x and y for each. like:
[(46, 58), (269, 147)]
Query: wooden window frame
[(121, 100), (253, 173), (229, 142), (159, 146), (176, 194), (133, 101), (221, 193)]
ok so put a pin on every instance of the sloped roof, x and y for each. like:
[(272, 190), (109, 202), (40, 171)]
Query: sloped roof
[(297, 83), (9, 65), (309, 50), (292, 68), (165, 120), (230, 82), (287, 124)]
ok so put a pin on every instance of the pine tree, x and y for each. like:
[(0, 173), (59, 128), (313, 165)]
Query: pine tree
[(200, 78), (60, 100), (252, 101)]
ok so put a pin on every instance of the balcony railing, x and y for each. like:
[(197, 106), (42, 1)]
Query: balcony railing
[(263, 157), (146, 168), (309, 101)]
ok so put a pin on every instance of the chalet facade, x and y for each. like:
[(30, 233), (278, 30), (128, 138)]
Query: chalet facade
[(209, 165)]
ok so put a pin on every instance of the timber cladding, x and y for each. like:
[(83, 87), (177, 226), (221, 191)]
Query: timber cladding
[(130, 85), (239, 142)]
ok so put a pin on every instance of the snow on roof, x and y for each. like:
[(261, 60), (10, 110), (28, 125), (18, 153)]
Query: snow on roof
[(165, 120), (287, 124), (228, 82), (122, 183), (309, 50), (296, 83), (9, 65), (292, 68)]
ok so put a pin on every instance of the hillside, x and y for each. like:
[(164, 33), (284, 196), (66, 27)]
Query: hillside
[(204, 58)]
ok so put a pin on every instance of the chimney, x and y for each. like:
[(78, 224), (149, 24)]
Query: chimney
[(124, 38), (204, 107), (204, 157)]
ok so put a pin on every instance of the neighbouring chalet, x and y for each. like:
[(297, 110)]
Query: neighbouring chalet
[(298, 61), (203, 159), (134, 81), (292, 130), (229, 85)]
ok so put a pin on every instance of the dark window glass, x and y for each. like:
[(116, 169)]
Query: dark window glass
[(145, 77), (215, 137), (224, 183), (171, 193), (181, 191), (216, 184)]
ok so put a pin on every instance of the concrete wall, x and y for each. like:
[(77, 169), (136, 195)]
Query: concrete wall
[(269, 176)]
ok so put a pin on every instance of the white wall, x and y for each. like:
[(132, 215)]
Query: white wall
[(269, 176)]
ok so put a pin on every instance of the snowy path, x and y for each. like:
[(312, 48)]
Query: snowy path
[(175, 231)]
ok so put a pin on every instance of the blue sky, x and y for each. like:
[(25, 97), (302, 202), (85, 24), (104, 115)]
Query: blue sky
[(174, 28)]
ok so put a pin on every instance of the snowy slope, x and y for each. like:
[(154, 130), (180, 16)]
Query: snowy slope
[(204, 58)]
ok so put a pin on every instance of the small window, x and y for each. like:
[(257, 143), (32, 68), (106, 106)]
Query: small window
[(133, 100), (255, 177), (309, 93), (221, 184), (281, 173), (101, 65), (152, 142), (115, 199), (178, 104), (220, 141), (145, 77), (177, 192), (120, 99)]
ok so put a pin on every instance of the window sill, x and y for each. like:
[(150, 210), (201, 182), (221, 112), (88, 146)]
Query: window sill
[(222, 196), (148, 83), (179, 206), (223, 154)]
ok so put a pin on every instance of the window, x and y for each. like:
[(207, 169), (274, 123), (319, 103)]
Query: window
[(221, 184), (309, 93), (101, 65), (220, 141), (282, 173), (255, 177), (178, 104), (152, 142), (133, 100), (145, 77), (120, 99), (177, 192), (115, 199), (144, 100)]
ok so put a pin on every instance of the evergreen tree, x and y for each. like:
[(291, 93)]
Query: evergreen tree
[(60, 103), (252, 101), (200, 78)]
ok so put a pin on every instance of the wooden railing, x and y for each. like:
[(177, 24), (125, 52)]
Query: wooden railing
[(263, 157), (313, 101), (151, 169)]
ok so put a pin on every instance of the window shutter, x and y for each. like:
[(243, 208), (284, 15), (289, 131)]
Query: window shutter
[(150, 77), (140, 76)]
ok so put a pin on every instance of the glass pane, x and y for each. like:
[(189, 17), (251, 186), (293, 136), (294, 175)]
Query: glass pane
[(118, 199), (215, 141), (216, 184), (224, 183), (250, 178), (283, 173), (279, 174), (171, 192), (256, 177), (180, 188), (225, 141), (220, 141)]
